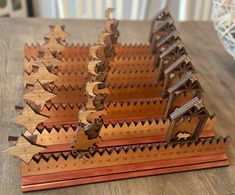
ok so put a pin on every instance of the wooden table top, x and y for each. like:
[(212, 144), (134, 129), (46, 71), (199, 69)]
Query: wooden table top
[(216, 70)]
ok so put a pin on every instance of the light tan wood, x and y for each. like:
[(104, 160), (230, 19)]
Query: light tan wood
[(43, 75), (97, 51), (108, 12), (46, 57), (95, 115), (24, 149), (58, 32), (105, 38), (49, 59), (29, 119), (53, 45), (88, 116), (182, 135), (38, 95), (83, 115), (28, 65), (90, 88), (92, 66)]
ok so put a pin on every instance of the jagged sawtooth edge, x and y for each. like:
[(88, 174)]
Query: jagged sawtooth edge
[(50, 105), (131, 85), (131, 147), (110, 85), (66, 127), (67, 57), (87, 45), (118, 57), (60, 72), (53, 87), (114, 70), (58, 128), (83, 67)]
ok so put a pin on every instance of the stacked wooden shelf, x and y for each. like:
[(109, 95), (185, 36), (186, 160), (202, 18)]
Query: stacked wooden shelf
[(156, 120)]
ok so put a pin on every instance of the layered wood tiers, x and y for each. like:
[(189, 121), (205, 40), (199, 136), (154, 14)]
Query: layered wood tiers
[(111, 111), (135, 95)]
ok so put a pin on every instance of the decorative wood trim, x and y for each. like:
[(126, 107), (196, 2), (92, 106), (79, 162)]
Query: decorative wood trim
[(122, 172)]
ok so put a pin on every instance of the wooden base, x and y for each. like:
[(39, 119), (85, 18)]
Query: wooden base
[(70, 178)]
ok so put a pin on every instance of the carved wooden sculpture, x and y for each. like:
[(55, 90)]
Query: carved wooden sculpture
[(112, 111)]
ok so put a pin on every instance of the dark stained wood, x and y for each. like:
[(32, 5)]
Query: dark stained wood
[(216, 71)]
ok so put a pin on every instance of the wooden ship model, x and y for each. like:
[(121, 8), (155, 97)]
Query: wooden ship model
[(111, 111)]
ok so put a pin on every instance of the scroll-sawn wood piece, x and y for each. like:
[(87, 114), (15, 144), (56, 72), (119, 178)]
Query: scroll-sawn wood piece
[(29, 119), (38, 95), (193, 109), (83, 143), (53, 44), (58, 32), (42, 75), (24, 149)]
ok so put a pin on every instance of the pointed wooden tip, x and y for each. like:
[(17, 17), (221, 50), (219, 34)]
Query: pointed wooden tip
[(24, 149), (29, 119), (108, 12), (39, 95)]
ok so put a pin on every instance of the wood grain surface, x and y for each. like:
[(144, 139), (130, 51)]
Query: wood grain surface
[(216, 73)]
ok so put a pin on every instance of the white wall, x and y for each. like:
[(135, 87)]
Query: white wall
[(125, 9)]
